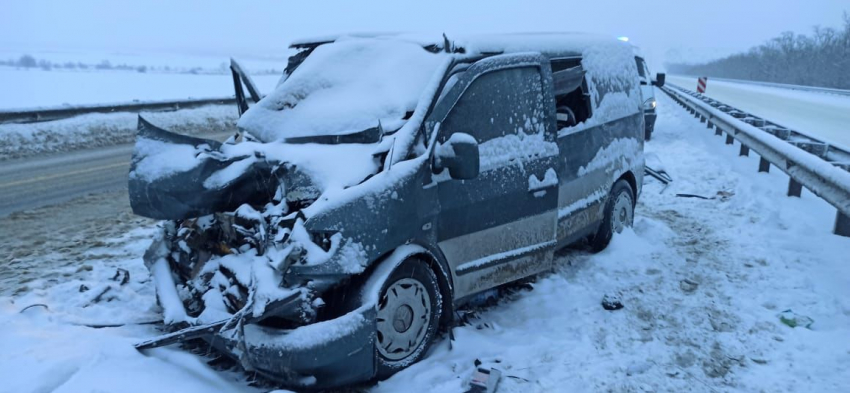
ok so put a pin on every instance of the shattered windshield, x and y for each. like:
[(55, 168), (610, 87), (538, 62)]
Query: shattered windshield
[(345, 88)]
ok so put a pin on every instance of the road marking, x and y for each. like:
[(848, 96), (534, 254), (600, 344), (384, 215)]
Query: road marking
[(50, 177)]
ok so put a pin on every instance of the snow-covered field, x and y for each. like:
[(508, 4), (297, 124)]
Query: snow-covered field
[(702, 280), (821, 115), (24, 88), (107, 129)]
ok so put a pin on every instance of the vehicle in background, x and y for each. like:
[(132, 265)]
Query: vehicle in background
[(648, 92), (384, 182)]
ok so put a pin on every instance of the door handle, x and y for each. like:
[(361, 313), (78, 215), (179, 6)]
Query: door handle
[(550, 180)]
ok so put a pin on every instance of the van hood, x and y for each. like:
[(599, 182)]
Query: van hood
[(174, 176)]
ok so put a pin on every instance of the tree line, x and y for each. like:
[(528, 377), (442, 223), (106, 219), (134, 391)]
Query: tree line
[(821, 59)]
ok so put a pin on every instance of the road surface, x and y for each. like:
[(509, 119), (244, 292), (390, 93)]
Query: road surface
[(821, 115), (46, 180)]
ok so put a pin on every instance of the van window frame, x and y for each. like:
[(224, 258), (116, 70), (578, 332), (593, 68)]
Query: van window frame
[(541, 62), (475, 79), (585, 86)]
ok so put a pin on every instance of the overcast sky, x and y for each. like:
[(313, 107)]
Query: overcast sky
[(705, 28)]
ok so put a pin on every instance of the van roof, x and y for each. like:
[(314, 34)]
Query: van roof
[(549, 43)]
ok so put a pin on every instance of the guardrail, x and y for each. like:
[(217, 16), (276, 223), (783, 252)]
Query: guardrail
[(783, 86), (808, 161), (32, 115)]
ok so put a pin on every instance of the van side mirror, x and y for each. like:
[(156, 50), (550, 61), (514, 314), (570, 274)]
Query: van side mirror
[(659, 79), (460, 155)]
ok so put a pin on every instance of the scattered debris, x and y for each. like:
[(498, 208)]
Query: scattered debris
[(661, 175), (791, 319), (100, 296), (122, 276), (722, 195), (115, 325), (725, 195), (484, 380), (692, 196), (638, 368), (688, 285), (34, 305), (611, 302)]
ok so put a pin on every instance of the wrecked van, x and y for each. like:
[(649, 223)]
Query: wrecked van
[(383, 182)]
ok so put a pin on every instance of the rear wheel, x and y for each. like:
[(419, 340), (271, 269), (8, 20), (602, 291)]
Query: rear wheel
[(409, 311), (619, 213)]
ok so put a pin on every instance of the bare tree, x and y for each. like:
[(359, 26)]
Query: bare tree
[(27, 61), (819, 59)]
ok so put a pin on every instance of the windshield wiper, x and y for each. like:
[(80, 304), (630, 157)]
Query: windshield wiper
[(367, 136)]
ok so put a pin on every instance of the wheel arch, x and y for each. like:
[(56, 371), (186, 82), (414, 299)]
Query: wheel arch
[(629, 177), (431, 255)]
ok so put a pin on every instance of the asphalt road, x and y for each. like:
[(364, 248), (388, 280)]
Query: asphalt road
[(47, 180), (821, 115)]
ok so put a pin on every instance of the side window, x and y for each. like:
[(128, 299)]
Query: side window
[(640, 67), (498, 103), (572, 98), (643, 70)]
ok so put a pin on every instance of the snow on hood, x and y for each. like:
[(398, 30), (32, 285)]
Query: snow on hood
[(329, 166), (345, 87)]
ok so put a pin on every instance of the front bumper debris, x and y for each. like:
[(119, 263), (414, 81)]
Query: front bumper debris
[(321, 355)]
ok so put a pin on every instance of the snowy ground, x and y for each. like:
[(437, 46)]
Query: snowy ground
[(821, 115), (24, 88), (750, 253)]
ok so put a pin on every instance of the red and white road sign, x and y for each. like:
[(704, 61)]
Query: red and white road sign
[(701, 84)]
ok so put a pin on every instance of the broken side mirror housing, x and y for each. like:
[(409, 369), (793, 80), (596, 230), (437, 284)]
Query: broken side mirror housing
[(459, 154), (659, 79)]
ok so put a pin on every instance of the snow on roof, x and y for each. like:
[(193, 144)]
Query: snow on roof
[(550, 43), (345, 87)]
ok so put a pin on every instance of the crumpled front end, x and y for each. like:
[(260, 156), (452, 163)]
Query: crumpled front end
[(243, 273), (236, 264)]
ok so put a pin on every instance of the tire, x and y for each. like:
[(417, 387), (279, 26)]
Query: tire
[(619, 213), (409, 311)]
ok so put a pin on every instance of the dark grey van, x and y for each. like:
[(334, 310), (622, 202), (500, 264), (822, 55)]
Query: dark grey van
[(385, 181)]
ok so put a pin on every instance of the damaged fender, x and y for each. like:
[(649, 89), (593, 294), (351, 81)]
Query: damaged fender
[(179, 191)]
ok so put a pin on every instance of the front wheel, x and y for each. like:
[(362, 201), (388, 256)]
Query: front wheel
[(619, 213), (409, 311)]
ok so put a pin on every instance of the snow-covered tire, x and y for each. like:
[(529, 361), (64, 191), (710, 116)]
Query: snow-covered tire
[(619, 213), (409, 311)]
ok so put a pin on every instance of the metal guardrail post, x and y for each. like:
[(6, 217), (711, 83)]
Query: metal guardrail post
[(807, 161), (764, 165), (842, 225), (795, 189)]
